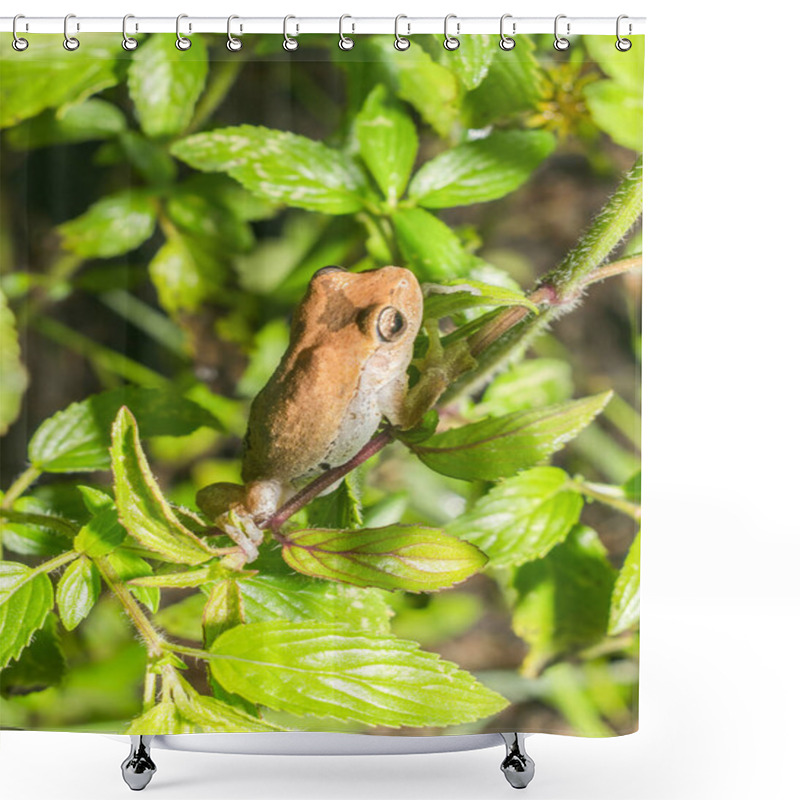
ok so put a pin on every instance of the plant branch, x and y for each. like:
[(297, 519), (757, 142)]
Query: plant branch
[(609, 495)]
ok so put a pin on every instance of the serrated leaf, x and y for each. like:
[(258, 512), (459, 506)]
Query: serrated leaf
[(481, 170), (77, 592), (279, 166), (40, 665), (429, 246), (387, 140), (92, 120), (327, 671), (102, 534), (161, 719), (625, 597), (165, 83), (223, 610), (297, 598), (452, 297), (522, 518), (26, 598), (14, 375), (49, 77), (471, 61), (407, 557), (214, 716), (340, 508), (499, 447), (128, 567), (143, 511), (563, 599), (77, 438)]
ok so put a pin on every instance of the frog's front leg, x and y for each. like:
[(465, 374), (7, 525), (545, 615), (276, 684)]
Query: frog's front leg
[(239, 511)]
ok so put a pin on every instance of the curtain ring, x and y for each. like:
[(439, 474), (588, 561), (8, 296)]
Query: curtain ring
[(623, 45), (560, 42), (128, 42), (506, 42), (451, 42), (19, 44), (345, 42), (233, 44), (70, 42), (288, 42), (181, 42), (400, 42)]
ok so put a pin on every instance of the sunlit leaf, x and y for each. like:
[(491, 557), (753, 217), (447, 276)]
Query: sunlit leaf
[(472, 59), (328, 671), (77, 591), (429, 246), (625, 597), (14, 376), (162, 719), (40, 665), (223, 610), (128, 567), (451, 297)]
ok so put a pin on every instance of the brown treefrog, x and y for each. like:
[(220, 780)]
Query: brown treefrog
[(351, 342)]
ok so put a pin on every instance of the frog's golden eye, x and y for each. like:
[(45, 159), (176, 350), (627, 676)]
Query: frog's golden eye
[(391, 324), (327, 269)]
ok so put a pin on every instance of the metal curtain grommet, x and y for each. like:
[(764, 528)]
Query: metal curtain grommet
[(288, 42), (233, 44), (623, 45), (19, 44), (506, 42), (181, 42), (345, 42), (70, 42), (128, 42), (451, 42), (400, 42), (560, 42)]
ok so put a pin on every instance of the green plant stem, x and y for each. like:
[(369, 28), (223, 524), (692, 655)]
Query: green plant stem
[(223, 76), (155, 643), (149, 699), (20, 485), (608, 495), (54, 563)]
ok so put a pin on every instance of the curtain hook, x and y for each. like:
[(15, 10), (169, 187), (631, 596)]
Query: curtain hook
[(623, 45), (181, 42), (560, 42), (288, 42), (506, 42), (70, 42), (345, 42), (451, 42), (400, 42), (233, 44), (128, 42), (19, 44)]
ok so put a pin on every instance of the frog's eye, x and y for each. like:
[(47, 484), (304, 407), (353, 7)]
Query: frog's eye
[(325, 270), (391, 324)]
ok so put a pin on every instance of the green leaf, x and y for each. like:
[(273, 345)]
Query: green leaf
[(522, 518), (563, 599), (129, 567), (165, 83), (515, 83), (208, 221), (112, 226), (184, 618), (26, 598), (88, 121), (443, 616), (77, 591), (161, 719), (633, 487), (214, 716), (625, 597), (406, 557), (471, 61), (481, 170), (223, 610), (49, 77), (185, 273), (280, 166), (340, 508), (327, 671), (14, 376), (30, 529), (143, 511), (150, 159), (77, 438), (101, 534), (498, 447), (432, 250), (616, 105), (297, 598), (452, 297), (40, 665), (387, 141)]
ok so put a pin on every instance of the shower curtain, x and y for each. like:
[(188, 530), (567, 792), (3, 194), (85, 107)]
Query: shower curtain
[(320, 385)]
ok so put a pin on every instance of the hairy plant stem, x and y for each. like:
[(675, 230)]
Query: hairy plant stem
[(23, 481), (503, 334), (153, 639), (54, 563)]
